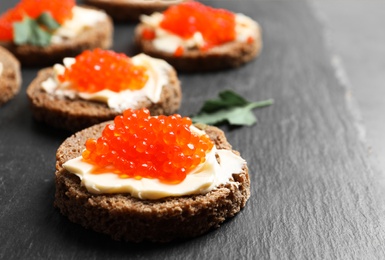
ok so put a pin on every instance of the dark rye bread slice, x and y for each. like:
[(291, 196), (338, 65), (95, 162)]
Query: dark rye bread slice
[(126, 218), (77, 114), (98, 36), (130, 10), (226, 56), (10, 78)]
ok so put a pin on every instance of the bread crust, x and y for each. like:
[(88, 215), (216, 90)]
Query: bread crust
[(225, 56), (98, 36), (77, 114), (130, 219), (10, 77), (130, 10)]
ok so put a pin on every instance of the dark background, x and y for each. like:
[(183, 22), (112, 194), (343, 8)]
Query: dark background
[(314, 194)]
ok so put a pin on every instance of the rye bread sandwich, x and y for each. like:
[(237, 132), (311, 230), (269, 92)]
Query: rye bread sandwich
[(10, 76), (131, 10), (193, 37), (141, 178), (42, 32), (97, 85)]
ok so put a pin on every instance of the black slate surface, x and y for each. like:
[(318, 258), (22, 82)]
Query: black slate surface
[(314, 193)]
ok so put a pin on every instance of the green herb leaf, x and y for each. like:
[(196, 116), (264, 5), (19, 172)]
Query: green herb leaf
[(46, 19), (227, 99), (28, 31), (36, 32), (230, 108), (22, 31)]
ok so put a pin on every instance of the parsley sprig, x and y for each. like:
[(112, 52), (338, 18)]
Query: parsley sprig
[(36, 32), (230, 108)]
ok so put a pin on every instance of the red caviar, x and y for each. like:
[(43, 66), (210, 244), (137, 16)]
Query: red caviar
[(140, 146), (179, 51), (148, 34), (6, 21), (217, 26), (60, 10), (100, 69)]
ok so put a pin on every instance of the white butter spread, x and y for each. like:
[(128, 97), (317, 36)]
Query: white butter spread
[(201, 180), (158, 76), (166, 41), (245, 27), (82, 19), (1, 68)]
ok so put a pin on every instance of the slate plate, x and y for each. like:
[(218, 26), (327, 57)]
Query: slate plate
[(314, 194)]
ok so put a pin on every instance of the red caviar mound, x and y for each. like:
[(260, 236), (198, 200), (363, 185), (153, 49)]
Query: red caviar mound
[(140, 146), (6, 21), (103, 69), (217, 26), (60, 10)]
